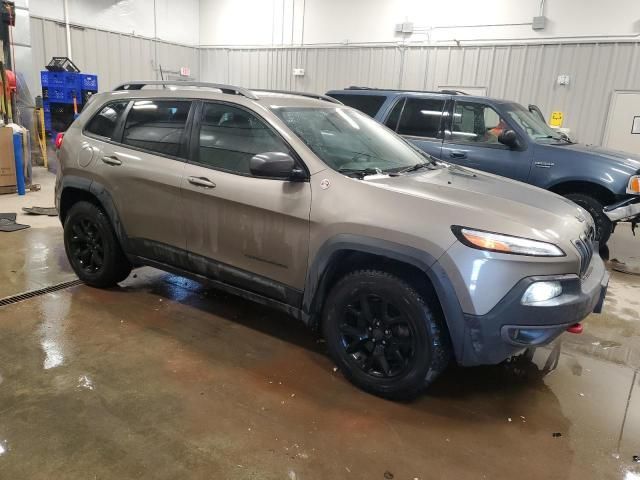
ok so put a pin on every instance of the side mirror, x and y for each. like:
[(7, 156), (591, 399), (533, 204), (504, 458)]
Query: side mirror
[(275, 165), (564, 136), (509, 138), (536, 111)]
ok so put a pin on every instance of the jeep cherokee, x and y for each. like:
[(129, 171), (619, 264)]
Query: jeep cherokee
[(402, 262)]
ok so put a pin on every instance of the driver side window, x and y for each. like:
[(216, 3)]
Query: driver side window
[(476, 123), (230, 136)]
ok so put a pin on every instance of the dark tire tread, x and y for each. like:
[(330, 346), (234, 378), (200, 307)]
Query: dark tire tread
[(440, 344), (116, 266), (604, 227)]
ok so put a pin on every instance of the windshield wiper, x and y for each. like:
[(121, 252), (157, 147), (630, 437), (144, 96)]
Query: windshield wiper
[(562, 138), (415, 167), (360, 172)]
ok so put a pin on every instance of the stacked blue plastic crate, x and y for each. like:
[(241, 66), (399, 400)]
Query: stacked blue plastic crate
[(60, 88)]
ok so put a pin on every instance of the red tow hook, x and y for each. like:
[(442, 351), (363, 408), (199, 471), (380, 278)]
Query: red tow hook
[(575, 328)]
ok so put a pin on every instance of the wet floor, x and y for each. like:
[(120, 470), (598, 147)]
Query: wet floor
[(163, 378)]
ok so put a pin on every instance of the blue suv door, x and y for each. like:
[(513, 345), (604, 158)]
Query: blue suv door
[(419, 120), (471, 139)]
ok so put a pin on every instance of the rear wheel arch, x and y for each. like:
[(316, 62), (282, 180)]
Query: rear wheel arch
[(72, 195), (347, 253), (76, 189)]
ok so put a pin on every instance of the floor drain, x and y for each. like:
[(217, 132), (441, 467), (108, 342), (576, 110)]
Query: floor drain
[(36, 293)]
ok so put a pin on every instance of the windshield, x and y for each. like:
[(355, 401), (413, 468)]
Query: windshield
[(348, 140), (532, 124)]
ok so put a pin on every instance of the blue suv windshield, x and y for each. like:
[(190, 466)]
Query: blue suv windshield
[(536, 129)]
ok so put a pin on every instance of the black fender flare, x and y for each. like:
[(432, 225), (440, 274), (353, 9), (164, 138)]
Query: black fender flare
[(316, 285), (103, 197)]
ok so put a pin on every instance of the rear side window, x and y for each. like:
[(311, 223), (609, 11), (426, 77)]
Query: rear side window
[(421, 117), (369, 104), (230, 136), (157, 125), (104, 122)]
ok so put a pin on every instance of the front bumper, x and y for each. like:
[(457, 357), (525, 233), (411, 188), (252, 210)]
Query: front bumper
[(627, 209), (511, 327)]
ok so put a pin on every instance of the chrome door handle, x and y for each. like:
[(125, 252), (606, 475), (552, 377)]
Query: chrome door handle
[(457, 154), (115, 161), (201, 182)]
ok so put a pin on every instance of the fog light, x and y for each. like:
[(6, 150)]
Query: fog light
[(541, 292)]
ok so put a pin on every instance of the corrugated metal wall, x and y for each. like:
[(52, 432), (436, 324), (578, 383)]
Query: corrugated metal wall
[(525, 73), (114, 57)]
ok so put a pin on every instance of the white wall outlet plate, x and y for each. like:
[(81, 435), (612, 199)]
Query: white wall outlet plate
[(298, 72)]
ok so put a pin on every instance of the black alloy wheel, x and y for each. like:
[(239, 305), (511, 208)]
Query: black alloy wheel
[(377, 336), (92, 247), (86, 245)]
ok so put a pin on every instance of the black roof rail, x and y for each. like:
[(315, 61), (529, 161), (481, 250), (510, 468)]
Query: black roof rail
[(229, 89), (447, 92), (454, 92), (317, 96)]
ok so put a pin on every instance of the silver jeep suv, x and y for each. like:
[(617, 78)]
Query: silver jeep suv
[(298, 202)]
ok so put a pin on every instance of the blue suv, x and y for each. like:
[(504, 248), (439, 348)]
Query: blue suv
[(507, 139)]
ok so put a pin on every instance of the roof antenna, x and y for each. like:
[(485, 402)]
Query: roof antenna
[(161, 76)]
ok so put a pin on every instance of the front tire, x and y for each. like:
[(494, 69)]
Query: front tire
[(604, 227), (92, 247), (383, 335)]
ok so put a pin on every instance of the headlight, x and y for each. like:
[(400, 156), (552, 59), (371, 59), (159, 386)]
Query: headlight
[(633, 187), (541, 292), (497, 242)]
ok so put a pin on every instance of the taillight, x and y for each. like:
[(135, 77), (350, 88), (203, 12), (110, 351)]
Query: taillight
[(59, 138)]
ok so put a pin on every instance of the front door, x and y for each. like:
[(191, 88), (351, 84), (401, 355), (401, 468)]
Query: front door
[(472, 141), (418, 119), (248, 231)]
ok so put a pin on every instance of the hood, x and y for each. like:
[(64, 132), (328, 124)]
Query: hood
[(493, 203), (628, 160)]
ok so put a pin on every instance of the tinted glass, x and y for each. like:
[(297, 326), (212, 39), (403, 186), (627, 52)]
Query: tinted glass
[(394, 116), (421, 117), (157, 125), (104, 123), (369, 104), (476, 123), (230, 136), (348, 140)]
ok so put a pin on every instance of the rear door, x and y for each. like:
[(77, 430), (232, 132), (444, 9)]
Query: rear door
[(419, 120), (248, 231), (142, 168), (472, 141)]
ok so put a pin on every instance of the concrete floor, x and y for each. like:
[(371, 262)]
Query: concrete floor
[(163, 378)]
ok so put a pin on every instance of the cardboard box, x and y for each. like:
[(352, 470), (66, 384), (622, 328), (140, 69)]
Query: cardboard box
[(7, 159)]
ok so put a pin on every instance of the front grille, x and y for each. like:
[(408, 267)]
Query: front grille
[(585, 247)]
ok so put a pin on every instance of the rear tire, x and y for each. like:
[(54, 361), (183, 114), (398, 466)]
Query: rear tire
[(604, 227), (383, 335), (92, 247)]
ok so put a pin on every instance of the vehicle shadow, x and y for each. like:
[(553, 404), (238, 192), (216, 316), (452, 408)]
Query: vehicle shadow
[(518, 373)]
